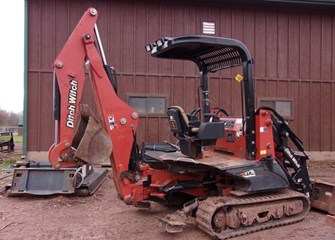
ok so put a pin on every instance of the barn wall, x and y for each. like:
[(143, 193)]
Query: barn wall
[(293, 50)]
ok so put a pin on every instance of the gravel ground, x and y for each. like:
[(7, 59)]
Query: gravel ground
[(104, 216)]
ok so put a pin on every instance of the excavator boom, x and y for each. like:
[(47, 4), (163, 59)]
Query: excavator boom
[(80, 137)]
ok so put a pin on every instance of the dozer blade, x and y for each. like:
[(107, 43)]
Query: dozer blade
[(91, 140), (323, 196)]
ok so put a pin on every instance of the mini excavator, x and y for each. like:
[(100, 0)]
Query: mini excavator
[(231, 175)]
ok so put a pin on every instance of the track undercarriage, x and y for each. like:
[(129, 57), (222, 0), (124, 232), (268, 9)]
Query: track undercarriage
[(225, 213), (231, 216), (226, 217)]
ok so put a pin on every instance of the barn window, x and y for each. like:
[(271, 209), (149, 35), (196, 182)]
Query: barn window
[(208, 27), (283, 106), (148, 104)]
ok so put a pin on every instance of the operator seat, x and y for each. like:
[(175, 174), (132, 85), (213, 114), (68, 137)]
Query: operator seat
[(193, 135), (180, 123)]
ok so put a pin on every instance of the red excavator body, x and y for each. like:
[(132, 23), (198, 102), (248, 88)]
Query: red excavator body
[(233, 175)]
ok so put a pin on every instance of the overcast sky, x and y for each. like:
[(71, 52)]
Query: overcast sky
[(12, 55)]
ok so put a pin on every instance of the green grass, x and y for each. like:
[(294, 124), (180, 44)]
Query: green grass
[(17, 138), (8, 162), (5, 138)]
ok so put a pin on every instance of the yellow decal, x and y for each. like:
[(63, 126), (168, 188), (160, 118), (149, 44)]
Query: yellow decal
[(263, 152), (239, 78)]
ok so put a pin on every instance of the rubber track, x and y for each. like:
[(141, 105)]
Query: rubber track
[(208, 207)]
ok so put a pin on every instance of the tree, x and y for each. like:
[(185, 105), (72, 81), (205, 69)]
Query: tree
[(10, 118)]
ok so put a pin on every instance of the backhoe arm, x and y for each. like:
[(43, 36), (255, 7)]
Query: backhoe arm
[(118, 120)]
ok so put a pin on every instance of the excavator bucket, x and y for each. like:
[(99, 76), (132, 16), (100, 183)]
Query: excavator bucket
[(91, 141)]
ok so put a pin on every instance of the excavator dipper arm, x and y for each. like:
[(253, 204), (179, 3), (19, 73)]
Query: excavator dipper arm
[(118, 120)]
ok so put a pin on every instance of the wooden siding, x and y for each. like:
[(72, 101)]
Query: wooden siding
[(293, 50)]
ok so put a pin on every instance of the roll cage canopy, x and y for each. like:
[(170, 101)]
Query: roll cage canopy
[(212, 54), (209, 53)]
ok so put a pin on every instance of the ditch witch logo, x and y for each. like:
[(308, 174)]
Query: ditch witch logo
[(72, 100)]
